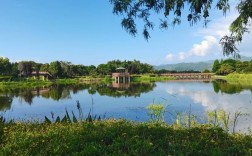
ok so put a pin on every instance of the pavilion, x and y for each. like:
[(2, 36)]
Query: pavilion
[(121, 75)]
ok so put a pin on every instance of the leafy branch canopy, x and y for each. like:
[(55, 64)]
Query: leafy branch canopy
[(198, 10)]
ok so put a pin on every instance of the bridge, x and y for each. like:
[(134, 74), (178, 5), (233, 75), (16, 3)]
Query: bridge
[(189, 76)]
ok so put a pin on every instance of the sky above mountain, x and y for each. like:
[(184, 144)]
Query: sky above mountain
[(87, 32)]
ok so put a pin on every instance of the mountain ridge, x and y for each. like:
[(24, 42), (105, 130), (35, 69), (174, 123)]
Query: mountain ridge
[(195, 66)]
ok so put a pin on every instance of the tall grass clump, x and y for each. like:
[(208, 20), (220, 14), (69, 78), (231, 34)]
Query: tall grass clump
[(156, 112)]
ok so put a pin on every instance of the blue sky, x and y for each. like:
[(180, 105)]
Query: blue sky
[(87, 32)]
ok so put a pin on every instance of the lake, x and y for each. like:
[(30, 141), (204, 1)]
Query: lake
[(129, 101)]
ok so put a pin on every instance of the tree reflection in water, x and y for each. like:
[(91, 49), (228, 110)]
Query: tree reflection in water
[(59, 92), (225, 87)]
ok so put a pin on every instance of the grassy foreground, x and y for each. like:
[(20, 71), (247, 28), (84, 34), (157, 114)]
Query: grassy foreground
[(119, 137)]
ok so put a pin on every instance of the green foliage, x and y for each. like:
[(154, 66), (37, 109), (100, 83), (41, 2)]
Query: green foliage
[(143, 10), (222, 119), (229, 66), (5, 78), (55, 69), (239, 77), (225, 69), (25, 84), (5, 66), (156, 112), (25, 68), (109, 137), (206, 71), (238, 27), (64, 69), (216, 66), (197, 10), (133, 67), (119, 137), (150, 78)]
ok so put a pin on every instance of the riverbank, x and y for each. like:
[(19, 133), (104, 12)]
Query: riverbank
[(28, 83), (235, 78), (239, 77), (119, 137), (25, 84), (150, 78)]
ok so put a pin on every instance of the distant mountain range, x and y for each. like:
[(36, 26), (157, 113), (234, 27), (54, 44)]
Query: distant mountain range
[(196, 66)]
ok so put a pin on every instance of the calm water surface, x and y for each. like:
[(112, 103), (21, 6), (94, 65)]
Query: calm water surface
[(129, 101)]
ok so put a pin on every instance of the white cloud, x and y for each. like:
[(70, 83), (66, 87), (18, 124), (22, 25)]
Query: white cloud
[(204, 47), (219, 27), (169, 57), (182, 56), (209, 47)]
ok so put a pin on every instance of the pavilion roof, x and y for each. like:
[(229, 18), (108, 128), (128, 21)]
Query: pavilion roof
[(120, 68)]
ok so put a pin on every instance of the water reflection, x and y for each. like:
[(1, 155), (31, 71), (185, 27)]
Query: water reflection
[(5, 102), (224, 87), (61, 92), (125, 90), (225, 96), (116, 100)]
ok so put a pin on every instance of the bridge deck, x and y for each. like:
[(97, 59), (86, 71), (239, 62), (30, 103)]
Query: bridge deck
[(179, 76)]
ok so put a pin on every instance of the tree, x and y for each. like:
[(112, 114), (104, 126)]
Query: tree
[(103, 69), (216, 66), (91, 70), (55, 69), (25, 68), (225, 69), (5, 66), (206, 71), (198, 9), (66, 69), (14, 69), (79, 70), (45, 67)]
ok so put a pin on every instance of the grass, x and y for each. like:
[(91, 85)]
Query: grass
[(25, 84), (5, 78), (67, 81), (150, 78), (119, 137), (94, 136), (236, 78), (5, 81), (30, 83), (240, 77)]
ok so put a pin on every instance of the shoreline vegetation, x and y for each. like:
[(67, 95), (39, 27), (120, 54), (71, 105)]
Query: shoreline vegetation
[(96, 136), (26, 83), (120, 137), (237, 78), (7, 82)]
